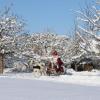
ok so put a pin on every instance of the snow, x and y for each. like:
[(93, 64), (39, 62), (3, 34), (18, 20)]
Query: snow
[(18, 89), (73, 86), (94, 44), (80, 78)]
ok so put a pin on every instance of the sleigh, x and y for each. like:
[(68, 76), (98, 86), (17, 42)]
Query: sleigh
[(53, 69)]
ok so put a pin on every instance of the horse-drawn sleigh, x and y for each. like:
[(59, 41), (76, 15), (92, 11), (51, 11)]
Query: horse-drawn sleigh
[(54, 66)]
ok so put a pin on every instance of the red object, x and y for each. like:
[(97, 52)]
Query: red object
[(60, 69), (59, 62)]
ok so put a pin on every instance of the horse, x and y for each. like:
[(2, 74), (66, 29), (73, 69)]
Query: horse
[(39, 69)]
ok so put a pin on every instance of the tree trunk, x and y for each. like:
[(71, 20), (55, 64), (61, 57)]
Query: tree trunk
[(1, 63)]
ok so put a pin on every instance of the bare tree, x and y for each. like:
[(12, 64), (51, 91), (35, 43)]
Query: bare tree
[(88, 27)]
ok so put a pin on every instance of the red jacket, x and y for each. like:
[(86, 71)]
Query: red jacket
[(59, 62)]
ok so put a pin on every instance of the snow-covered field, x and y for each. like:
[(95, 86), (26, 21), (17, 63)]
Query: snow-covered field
[(24, 86), (18, 89), (80, 78)]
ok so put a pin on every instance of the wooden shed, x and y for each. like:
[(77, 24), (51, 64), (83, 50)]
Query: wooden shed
[(84, 64)]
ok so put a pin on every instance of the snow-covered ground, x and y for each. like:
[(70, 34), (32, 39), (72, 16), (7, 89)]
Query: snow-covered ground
[(81, 78), (19, 89), (24, 86)]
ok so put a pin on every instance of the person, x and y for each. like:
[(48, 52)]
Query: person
[(57, 61), (60, 65)]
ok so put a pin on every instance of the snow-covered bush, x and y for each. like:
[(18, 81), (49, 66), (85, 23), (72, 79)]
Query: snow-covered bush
[(19, 66)]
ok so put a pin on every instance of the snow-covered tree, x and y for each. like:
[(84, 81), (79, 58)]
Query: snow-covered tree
[(46, 42), (88, 29), (10, 25)]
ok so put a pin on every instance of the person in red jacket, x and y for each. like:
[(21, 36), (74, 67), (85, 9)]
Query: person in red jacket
[(57, 60), (60, 65)]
